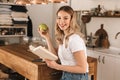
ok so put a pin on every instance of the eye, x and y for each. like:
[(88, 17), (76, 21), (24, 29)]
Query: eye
[(58, 17), (65, 18)]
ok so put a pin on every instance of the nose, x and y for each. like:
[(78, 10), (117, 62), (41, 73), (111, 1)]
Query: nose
[(62, 21)]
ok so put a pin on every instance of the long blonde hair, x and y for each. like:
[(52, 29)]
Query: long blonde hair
[(73, 29)]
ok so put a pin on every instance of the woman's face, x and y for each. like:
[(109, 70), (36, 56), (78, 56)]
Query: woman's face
[(63, 20)]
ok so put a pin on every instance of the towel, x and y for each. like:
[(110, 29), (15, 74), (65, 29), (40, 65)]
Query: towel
[(5, 9), (20, 19), (5, 6), (19, 14)]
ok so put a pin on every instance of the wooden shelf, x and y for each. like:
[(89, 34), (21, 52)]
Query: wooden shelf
[(7, 36), (102, 16), (13, 31), (87, 18), (107, 16), (9, 3)]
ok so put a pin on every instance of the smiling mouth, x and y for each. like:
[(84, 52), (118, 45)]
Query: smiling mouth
[(62, 25)]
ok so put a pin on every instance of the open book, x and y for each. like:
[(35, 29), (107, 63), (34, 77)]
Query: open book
[(43, 53)]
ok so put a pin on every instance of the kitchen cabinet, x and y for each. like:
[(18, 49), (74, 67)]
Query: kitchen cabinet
[(105, 65), (117, 69)]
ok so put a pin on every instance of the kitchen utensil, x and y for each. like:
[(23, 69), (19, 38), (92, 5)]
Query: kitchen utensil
[(102, 41)]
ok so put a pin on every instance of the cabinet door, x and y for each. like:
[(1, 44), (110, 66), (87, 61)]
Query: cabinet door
[(117, 69), (107, 67), (99, 57), (99, 70)]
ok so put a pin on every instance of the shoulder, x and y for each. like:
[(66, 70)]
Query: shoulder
[(76, 43), (75, 37)]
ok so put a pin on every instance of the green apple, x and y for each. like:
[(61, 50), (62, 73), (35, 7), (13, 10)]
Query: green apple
[(43, 27)]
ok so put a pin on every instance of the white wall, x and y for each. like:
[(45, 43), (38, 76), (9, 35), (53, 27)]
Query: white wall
[(88, 4), (46, 14), (43, 14), (111, 25), (40, 14)]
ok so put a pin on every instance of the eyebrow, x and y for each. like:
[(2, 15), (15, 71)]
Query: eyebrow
[(64, 16)]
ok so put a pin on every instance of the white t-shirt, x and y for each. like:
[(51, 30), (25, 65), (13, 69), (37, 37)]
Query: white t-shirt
[(75, 43)]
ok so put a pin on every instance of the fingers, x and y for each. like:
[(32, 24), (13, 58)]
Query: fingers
[(40, 32), (47, 62)]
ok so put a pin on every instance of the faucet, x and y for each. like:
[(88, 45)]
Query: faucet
[(117, 35)]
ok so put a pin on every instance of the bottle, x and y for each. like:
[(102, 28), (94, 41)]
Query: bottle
[(99, 10)]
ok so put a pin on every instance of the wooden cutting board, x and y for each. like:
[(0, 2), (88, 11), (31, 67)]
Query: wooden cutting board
[(102, 41)]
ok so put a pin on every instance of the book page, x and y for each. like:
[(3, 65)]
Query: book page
[(44, 53)]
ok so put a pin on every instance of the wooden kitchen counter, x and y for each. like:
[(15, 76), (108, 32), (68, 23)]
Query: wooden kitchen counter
[(20, 59)]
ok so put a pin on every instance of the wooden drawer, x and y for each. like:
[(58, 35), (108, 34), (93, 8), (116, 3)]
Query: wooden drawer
[(50, 74)]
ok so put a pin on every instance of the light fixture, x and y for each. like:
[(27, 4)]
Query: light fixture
[(38, 1), (58, 1), (26, 2), (22, 2)]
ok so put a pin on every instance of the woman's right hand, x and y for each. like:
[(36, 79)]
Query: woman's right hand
[(43, 34)]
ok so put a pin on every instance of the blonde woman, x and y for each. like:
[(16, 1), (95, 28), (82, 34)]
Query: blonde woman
[(71, 46)]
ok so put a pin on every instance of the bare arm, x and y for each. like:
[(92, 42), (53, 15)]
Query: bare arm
[(80, 67), (81, 62), (48, 40), (50, 45)]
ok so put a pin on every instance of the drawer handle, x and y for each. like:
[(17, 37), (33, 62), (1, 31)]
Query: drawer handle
[(99, 59), (103, 60)]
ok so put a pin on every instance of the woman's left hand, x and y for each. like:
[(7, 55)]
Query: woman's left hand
[(52, 64)]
